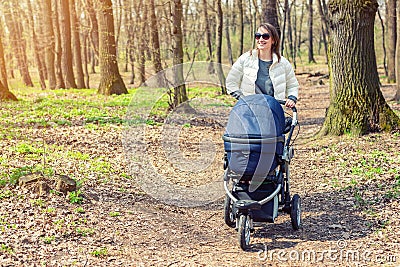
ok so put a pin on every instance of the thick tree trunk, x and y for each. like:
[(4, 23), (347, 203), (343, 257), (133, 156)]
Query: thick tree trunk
[(65, 32), (111, 81), (77, 46), (270, 13), (357, 104), (49, 44), (180, 95), (391, 40), (5, 94)]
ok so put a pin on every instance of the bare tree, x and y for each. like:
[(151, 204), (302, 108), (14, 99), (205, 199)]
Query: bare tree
[(18, 44), (391, 40), (49, 43), (270, 13), (180, 94), (77, 56), (35, 42), (220, 72), (111, 81), (58, 50), (310, 32), (397, 95), (357, 104), (65, 33), (3, 71)]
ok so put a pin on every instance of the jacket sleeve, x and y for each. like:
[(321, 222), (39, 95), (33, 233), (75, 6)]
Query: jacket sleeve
[(292, 85), (235, 76)]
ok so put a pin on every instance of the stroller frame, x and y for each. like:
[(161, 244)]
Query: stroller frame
[(238, 213)]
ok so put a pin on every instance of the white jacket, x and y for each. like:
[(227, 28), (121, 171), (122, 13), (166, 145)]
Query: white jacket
[(243, 76)]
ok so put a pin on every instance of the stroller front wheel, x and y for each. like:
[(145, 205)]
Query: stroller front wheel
[(295, 212), (229, 216), (244, 231)]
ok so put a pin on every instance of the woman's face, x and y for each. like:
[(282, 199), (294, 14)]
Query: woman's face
[(264, 42)]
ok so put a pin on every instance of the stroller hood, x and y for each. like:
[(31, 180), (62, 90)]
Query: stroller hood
[(254, 135), (256, 116)]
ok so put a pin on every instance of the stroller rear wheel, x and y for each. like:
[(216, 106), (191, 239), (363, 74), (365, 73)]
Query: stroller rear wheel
[(295, 213), (244, 231), (229, 216)]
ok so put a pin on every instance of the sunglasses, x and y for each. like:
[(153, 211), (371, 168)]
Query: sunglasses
[(265, 36)]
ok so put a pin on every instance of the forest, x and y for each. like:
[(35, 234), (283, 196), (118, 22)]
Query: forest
[(112, 117)]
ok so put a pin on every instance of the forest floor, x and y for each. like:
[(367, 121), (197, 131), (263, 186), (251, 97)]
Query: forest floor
[(350, 190)]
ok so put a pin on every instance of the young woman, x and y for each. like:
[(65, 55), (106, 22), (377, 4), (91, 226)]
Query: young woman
[(263, 70)]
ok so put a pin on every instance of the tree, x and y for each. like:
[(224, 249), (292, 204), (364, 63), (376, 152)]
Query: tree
[(391, 42), (18, 44), (49, 43), (65, 32), (5, 94), (111, 81), (41, 69), (356, 102), (220, 72), (208, 37), (3, 72), (58, 50), (270, 13), (156, 43), (397, 95), (180, 94), (77, 46), (310, 32)]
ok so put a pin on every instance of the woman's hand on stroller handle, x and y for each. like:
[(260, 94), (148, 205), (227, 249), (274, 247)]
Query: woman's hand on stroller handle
[(283, 102)]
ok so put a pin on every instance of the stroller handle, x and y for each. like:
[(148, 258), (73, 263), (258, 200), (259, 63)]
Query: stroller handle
[(283, 102)]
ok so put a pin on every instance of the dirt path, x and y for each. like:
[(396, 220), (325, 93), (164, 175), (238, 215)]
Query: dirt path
[(346, 222)]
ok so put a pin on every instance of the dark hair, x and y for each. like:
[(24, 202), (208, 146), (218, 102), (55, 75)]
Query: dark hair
[(275, 37)]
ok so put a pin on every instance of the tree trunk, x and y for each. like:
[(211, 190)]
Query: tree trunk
[(241, 26), (271, 14), (3, 70), (325, 29), (220, 71), (35, 42), (17, 42), (58, 49), (208, 38), (49, 43), (77, 46), (143, 45), (180, 95), (111, 81), (94, 32), (65, 32), (310, 32), (397, 95), (228, 39), (391, 40), (156, 44), (5, 94), (356, 105)]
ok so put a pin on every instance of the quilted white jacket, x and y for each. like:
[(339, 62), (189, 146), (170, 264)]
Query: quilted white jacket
[(243, 76)]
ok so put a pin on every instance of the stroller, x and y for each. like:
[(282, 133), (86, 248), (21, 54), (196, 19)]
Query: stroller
[(256, 161)]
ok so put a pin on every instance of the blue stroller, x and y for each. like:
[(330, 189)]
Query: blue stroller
[(256, 164)]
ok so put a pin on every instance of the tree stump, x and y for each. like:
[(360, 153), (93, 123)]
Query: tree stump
[(64, 183)]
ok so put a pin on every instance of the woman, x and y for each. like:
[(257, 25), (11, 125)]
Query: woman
[(264, 70)]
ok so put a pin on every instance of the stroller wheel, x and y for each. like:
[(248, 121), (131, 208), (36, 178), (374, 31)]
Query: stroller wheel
[(244, 231), (295, 213), (229, 216)]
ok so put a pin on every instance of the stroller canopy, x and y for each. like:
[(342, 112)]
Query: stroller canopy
[(256, 116)]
